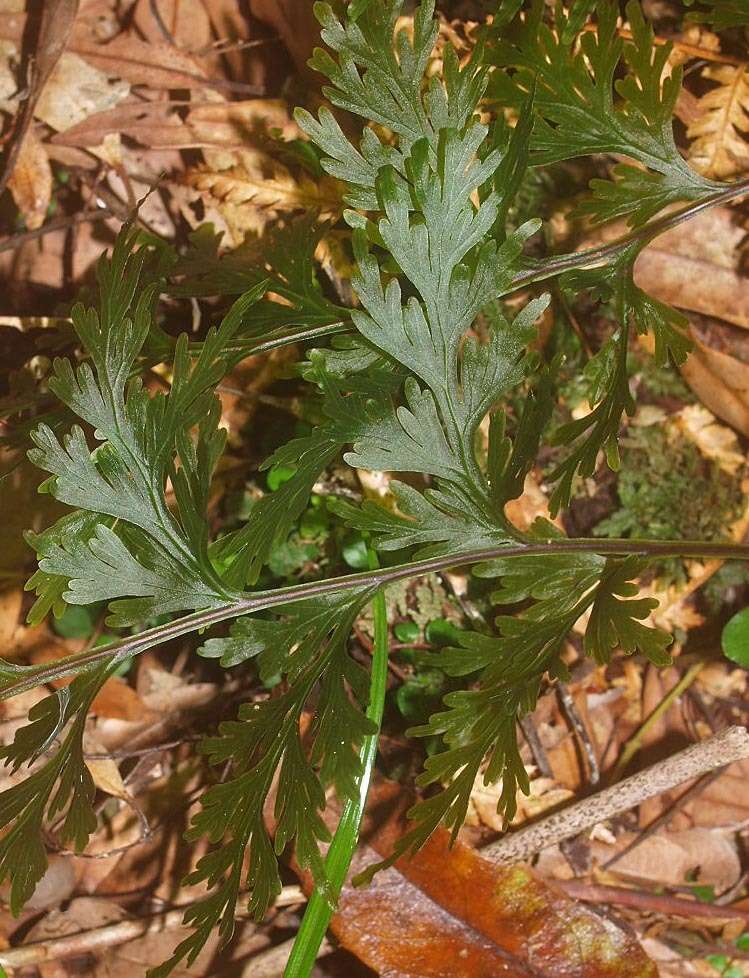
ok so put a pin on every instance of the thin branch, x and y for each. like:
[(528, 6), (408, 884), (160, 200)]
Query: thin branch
[(576, 722), (112, 935), (20, 678), (649, 902), (717, 751), (61, 224)]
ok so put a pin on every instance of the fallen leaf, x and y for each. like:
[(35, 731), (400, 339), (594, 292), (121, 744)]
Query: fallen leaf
[(545, 793), (57, 18), (157, 65), (186, 22), (693, 267), (714, 441), (260, 188), (77, 90), (720, 380), (31, 180), (176, 125), (449, 913), (296, 24), (11, 601), (56, 885), (163, 692), (701, 855), (104, 770), (719, 150)]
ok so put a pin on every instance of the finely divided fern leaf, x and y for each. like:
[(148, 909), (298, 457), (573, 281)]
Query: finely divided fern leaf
[(410, 388), (578, 112)]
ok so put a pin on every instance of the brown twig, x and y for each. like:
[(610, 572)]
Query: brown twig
[(649, 902), (717, 751), (61, 224), (537, 749), (576, 722), (112, 935)]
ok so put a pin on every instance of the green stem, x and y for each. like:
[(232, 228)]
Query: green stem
[(635, 742), (15, 679), (320, 908)]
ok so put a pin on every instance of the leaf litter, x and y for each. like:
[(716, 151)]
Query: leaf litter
[(116, 80)]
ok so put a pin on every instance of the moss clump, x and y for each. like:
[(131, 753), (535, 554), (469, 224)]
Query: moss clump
[(667, 489)]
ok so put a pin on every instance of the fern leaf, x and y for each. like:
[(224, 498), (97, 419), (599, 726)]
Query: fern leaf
[(577, 113)]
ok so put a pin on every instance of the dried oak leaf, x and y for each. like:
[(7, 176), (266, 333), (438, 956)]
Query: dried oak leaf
[(260, 188), (719, 149)]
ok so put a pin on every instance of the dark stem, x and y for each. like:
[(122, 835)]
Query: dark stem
[(20, 678), (553, 266), (556, 265)]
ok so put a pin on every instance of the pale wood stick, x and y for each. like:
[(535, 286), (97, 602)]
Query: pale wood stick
[(112, 935), (706, 755)]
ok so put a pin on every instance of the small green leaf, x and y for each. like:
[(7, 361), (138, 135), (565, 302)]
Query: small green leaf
[(406, 631), (77, 621), (355, 553), (278, 475), (735, 639), (442, 632), (742, 941), (705, 893)]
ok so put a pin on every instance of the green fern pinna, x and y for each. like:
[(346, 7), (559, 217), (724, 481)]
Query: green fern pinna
[(402, 387)]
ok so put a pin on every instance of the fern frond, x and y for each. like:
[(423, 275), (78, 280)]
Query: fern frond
[(577, 113)]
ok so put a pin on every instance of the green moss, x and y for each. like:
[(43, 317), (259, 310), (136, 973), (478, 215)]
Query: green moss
[(667, 489)]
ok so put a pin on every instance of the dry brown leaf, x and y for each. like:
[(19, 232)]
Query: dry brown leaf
[(545, 793), (175, 125), (56, 885), (295, 23), (31, 180), (187, 22), (690, 271), (701, 855), (103, 770), (719, 149), (258, 190), (721, 382), (164, 693), (56, 24), (11, 601), (77, 90), (693, 267), (714, 440), (450, 913)]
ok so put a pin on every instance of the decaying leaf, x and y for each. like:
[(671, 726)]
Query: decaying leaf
[(545, 793), (450, 913), (704, 855), (31, 180), (719, 149), (77, 90), (260, 188)]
